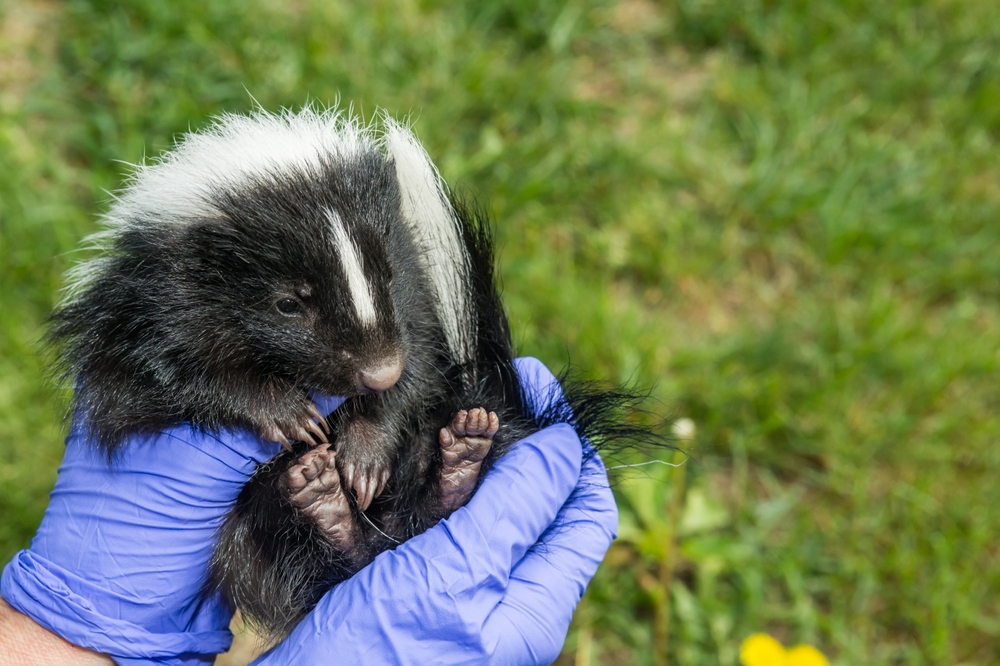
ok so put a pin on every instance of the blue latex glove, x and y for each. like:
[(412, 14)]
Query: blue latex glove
[(121, 555)]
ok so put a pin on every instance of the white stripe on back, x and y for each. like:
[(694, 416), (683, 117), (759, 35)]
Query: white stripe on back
[(432, 219), (361, 295)]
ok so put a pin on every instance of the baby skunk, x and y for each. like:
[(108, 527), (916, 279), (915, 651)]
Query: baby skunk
[(272, 258)]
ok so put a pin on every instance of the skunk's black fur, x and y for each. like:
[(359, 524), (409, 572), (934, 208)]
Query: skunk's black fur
[(183, 319)]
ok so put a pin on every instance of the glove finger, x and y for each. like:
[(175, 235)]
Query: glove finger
[(514, 505), (517, 501), (541, 386), (530, 624)]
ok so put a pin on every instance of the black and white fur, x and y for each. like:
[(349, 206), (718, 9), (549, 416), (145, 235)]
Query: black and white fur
[(275, 257)]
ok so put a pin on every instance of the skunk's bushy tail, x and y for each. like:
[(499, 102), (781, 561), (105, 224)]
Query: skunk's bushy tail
[(610, 418)]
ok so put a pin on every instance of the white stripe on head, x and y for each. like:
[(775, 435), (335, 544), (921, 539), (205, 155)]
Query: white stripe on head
[(350, 259), (236, 151), (431, 218)]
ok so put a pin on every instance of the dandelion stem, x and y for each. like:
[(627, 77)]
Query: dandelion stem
[(584, 645), (667, 564)]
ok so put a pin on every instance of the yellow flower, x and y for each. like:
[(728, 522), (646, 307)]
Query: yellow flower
[(764, 650), (806, 655)]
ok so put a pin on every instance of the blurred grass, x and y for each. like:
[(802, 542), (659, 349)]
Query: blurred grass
[(784, 213)]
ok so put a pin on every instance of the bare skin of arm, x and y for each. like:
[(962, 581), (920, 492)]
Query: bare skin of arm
[(23, 642)]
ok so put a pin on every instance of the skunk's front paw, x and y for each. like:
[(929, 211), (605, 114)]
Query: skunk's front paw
[(307, 426), (365, 460), (465, 442)]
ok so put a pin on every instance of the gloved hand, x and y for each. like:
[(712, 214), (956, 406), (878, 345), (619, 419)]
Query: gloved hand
[(121, 556)]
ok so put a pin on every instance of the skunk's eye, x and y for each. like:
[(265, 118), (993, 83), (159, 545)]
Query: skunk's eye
[(289, 306)]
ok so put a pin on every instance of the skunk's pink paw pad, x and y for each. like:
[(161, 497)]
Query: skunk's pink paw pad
[(465, 442), (314, 487)]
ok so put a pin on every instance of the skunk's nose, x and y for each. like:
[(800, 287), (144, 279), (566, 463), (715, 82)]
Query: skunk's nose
[(380, 378)]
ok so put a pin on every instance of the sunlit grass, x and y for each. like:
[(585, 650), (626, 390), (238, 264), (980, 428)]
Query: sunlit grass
[(783, 214)]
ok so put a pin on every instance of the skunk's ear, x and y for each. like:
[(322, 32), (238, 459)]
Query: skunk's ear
[(220, 256), (427, 211), (209, 235)]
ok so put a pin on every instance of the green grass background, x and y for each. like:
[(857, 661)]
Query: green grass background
[(783, 213)]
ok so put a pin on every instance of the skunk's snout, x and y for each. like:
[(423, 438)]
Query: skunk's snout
[(380, 378)]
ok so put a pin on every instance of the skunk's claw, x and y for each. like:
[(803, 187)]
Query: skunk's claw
[(302, 435), (347, 475), (307, 425), (366, 483), (314, 428), (383, 479), (364, 492), (273, 433), (315, 413)]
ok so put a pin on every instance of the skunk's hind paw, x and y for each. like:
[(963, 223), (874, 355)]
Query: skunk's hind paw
[(314, 487), (465, 442)]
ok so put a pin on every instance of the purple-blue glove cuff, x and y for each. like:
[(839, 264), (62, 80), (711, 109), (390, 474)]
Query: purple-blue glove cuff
[(32, 582)]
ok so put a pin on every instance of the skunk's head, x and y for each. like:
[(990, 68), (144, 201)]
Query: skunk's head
[(294, 277), (267, 256)]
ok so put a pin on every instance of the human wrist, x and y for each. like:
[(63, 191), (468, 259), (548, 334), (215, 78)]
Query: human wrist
[(24, 642)]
